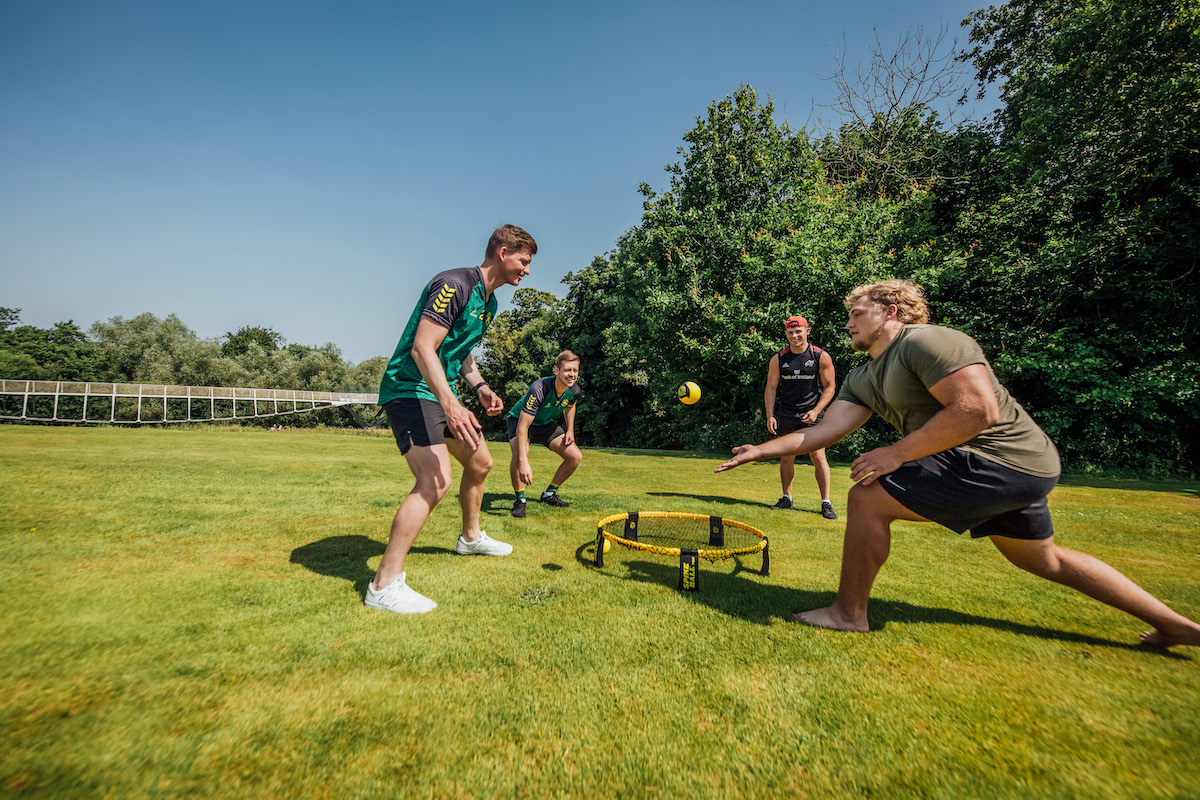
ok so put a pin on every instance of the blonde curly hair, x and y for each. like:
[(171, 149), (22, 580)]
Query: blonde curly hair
[(911, 308)]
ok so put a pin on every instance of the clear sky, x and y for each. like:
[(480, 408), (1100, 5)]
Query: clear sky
[(307, 166)]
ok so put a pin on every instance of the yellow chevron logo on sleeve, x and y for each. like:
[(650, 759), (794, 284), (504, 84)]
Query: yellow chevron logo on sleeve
[(442, 301)]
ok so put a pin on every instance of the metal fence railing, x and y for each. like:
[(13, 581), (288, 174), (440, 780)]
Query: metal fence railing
[(142, 403)]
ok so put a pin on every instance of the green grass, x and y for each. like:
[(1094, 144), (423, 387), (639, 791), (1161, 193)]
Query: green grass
[(183, 617)]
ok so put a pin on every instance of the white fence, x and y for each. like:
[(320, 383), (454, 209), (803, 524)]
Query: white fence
[(141, 403)]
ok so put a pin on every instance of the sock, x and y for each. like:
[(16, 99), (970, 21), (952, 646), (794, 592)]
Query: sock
[(825, 500), (551, 489), (521, 495)]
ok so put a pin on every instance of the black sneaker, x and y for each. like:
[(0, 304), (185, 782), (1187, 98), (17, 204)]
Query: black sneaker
[(554, 500), (827, 510), (784, 502), (518, 508)]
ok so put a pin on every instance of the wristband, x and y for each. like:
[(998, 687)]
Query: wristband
[(479, 386)]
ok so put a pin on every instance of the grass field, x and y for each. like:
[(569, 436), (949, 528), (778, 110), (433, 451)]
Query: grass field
[(183, 617)]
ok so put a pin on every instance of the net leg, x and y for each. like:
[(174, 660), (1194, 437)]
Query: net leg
[(689, 571), (766, 567)]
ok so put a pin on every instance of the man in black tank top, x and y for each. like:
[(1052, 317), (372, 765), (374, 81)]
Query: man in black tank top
[(800, 384)]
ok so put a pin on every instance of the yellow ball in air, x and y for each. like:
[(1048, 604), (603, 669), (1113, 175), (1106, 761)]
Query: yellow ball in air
[(689, 393)]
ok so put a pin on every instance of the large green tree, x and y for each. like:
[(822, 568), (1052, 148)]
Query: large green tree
[(238, 343), (146, 349), (60, 353), (1086, 237), (749, 231), (610, 403)]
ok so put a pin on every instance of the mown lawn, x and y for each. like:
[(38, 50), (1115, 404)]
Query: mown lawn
[(183, 617)]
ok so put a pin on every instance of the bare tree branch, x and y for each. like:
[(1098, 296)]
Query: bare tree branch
[(893, 115)]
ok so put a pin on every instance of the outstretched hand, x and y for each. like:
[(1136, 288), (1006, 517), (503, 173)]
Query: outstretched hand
[(741, 455)]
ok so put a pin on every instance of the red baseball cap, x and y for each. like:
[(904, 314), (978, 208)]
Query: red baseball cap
[(791, 321)]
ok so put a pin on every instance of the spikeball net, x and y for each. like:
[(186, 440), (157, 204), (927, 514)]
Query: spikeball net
[(690, 537)]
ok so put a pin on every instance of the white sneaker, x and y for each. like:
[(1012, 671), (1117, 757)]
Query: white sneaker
[(483, 546), (398, 597)]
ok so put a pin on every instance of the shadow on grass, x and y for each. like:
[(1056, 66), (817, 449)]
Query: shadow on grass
[(730, 501), (707, 498), (744, 594), (346, 557), (497, 504)]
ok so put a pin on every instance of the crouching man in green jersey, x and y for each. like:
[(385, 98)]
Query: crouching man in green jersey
[(535, 419)]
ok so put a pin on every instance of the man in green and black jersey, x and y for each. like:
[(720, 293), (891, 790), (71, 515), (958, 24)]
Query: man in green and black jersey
[(535, 419), (800, 384), (969, 457), (430, 423)]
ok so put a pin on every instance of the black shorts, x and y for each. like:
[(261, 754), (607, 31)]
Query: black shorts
[(965, 491), (539, 434), (790, 423), (417, 421)]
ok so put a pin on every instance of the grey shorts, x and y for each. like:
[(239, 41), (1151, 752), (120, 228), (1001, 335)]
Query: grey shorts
[(538, 434), (965, 491)]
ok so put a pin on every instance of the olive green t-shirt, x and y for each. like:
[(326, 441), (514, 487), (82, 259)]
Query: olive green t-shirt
[(896, 387)]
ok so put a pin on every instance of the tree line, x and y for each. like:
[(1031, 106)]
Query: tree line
[(1061, 232), (147, 349)]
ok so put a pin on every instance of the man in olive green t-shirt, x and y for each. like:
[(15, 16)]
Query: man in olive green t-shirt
[(969, 458)]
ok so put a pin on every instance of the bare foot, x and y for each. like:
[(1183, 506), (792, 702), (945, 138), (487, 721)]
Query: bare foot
[(831, 618), (1165, 639)]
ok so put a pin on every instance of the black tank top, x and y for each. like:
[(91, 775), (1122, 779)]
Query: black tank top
[(800, 385)]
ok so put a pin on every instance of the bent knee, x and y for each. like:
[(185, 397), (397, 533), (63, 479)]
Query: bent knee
[(480, 463), (433, 487), (872, 501), (860, 495)]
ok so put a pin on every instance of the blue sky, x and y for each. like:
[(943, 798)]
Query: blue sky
[(307, 166)]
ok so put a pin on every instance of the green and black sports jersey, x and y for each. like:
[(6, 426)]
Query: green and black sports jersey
[(457, 300), (544, 403), (896, 387)]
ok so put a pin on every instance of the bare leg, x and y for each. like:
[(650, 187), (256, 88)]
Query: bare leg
[(513, 471), (1098, 580), (787, 471), (571, 459), (869, 515), (821, 468), (431, 467), (476, 465)]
